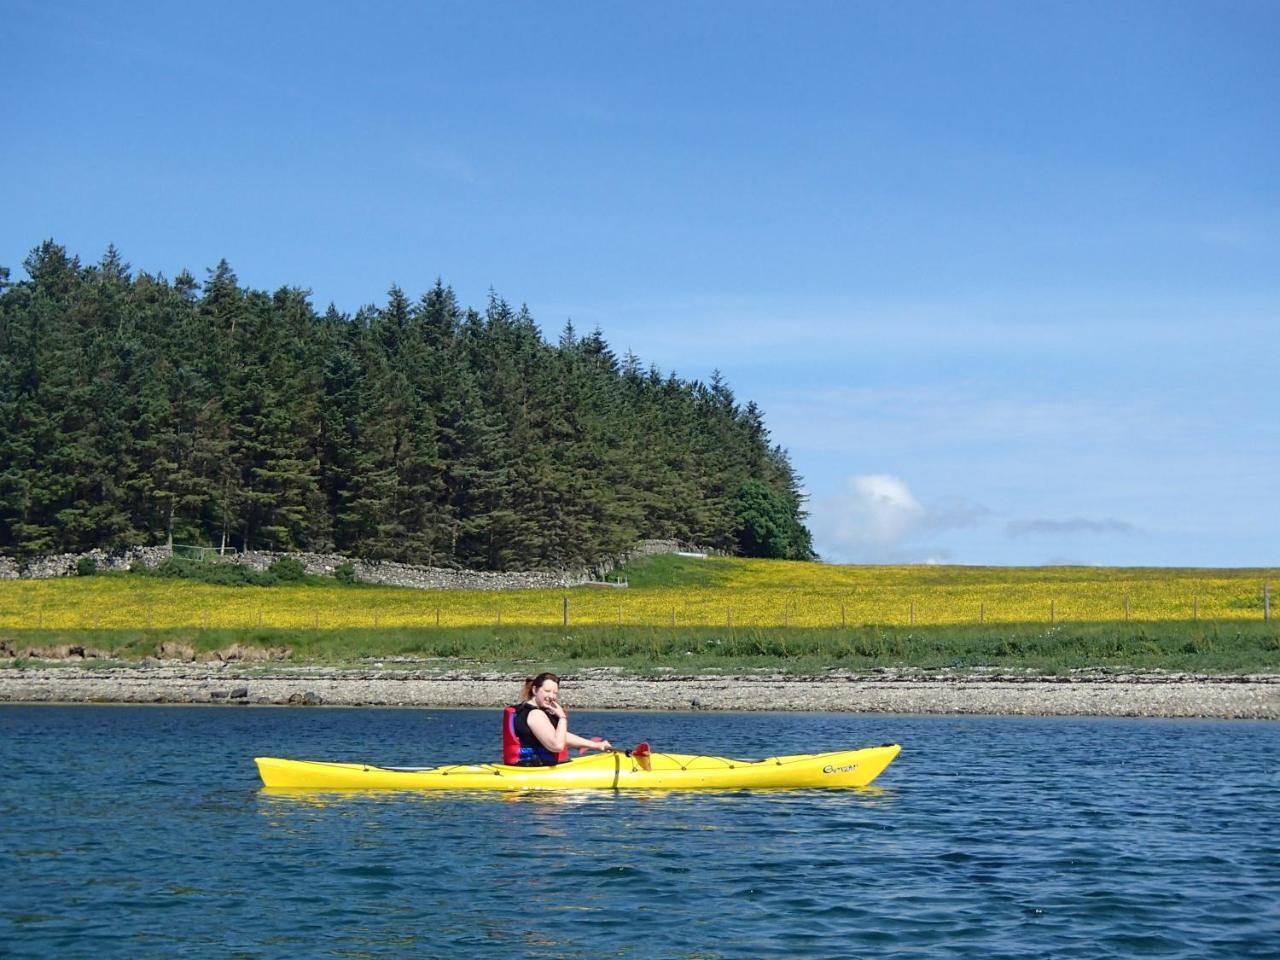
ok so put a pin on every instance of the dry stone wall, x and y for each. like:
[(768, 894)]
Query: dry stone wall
[(409, 575), (367, 571), (65, 564)]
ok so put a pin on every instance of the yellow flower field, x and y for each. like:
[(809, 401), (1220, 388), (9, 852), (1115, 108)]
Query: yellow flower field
[(737, 593)]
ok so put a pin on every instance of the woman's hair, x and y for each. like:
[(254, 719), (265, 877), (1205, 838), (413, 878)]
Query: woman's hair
[(533, 683)]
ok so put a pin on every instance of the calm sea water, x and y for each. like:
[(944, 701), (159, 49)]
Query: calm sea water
[(142, 832)]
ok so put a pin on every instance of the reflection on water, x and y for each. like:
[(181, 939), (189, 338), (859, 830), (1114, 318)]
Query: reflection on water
[(134, 833), (554, 798)]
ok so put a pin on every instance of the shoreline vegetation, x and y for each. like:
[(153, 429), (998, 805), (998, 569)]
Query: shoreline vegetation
[(715, 633), (1216, 649)]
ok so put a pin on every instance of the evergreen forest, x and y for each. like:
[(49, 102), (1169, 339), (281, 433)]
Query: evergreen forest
[(139, 410)]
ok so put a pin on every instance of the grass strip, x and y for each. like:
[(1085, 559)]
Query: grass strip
[(1232, 648)]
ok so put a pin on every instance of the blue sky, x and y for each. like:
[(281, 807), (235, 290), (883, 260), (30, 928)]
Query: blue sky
[(1004, 277)]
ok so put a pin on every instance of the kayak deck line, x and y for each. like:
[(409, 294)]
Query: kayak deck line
[(730, 763), (610, 770)]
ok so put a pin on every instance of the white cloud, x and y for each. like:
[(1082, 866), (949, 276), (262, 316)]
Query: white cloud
[(1018, 528), (447, 165), (879, 510), (877, 519), (742, 332), (957, 418), (1233, 235)]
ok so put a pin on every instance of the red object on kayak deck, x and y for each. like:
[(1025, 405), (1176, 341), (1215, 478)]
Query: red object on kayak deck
[(640, 752), (511, 743)]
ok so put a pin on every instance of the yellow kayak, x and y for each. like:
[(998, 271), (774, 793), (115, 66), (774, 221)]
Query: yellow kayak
[(599, 771)]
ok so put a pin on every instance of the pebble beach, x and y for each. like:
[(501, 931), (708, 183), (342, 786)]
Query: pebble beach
[(1255, 697)]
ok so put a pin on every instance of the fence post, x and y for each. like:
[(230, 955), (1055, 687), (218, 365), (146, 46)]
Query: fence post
[(729, 620), (566, 611), (1053, 611), (1126, 608), (982, 612), (843, 622), (437, 616)]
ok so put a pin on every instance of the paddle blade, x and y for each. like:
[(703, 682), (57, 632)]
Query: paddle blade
[(582, 750), (640, 753)]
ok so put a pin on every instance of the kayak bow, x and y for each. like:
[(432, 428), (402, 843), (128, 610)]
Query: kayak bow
[(604, 771)]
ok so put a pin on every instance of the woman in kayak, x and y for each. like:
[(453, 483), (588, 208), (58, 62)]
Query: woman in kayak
[(541, 726)]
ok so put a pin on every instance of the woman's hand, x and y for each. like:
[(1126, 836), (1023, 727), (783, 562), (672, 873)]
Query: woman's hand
[(554, 711), (602, 744)]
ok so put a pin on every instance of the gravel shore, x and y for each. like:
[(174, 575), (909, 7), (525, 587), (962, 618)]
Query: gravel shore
[(1141, 695)]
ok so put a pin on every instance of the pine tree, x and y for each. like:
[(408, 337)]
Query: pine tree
[(48, 449)]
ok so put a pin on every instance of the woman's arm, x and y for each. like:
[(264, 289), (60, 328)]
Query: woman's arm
[(576, 741), (551, 737)]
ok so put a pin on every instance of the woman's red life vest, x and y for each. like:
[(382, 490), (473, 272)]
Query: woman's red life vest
[(511, 743)]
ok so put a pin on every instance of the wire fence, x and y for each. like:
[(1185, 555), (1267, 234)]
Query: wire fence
[(168, 606)]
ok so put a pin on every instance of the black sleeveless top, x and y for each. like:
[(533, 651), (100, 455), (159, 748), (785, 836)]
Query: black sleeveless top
[(532, 752)]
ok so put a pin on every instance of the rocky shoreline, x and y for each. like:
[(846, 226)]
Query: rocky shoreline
[(456, 685)]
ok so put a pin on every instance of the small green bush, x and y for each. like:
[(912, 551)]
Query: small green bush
[(345, 572), (287, 570), (219, 574), (86, 567)]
